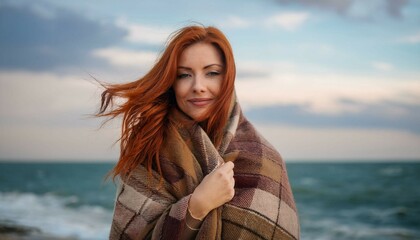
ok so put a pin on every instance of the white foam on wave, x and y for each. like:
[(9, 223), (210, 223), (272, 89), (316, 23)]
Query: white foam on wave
[(376, 214), (344, 226), (329, 229), (308, 181), (51, 214), (391, 171)]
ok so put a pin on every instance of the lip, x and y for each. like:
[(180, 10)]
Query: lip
[(200, 102)]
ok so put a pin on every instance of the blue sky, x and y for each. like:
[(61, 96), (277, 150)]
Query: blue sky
[(322, 80)]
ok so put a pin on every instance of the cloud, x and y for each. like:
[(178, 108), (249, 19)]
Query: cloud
[(289, 20), (251, 70), (383, 66), (235, 22), (58, 143), (286, 20), (370, 9), (355, 8), (46, 116), (323, 92), (40, 37), (138, 33), (385, 115), (412, 39), (127, 58), (394, 7), (337, 6), (42, 98), (335, 144)]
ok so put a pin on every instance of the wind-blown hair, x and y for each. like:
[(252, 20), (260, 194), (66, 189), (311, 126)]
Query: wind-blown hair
[(148, 101)]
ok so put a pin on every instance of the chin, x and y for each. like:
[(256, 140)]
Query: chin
[(198, 118)]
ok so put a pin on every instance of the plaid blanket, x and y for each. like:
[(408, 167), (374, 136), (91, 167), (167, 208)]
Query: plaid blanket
[(263, 206)]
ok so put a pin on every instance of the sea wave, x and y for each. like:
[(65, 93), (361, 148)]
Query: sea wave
[(391, 171), (330, 229), (55, 215), (346, 224)]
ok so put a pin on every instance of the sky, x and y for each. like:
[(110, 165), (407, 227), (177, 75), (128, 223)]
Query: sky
[(321, 80)]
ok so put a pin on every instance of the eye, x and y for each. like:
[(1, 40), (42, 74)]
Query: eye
[(213, 73), (183, 75)]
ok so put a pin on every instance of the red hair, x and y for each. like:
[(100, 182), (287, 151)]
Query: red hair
[(149, 100)]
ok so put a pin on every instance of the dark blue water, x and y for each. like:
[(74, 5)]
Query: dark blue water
[(335, 201), (357, 201)]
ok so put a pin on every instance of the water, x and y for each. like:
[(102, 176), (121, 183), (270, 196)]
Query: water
[(335, 201), (358, 201), (70, 201)]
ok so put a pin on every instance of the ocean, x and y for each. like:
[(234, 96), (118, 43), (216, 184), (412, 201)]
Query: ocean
[(335, 200)]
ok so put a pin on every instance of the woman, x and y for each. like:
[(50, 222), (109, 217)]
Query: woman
[(191, 165)]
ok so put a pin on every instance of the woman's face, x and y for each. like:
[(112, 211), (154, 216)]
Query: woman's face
[(199, 77)]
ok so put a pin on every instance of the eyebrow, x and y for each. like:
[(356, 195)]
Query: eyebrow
[(215, 64)]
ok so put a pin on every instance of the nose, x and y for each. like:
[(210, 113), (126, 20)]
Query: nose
[(199, 84)]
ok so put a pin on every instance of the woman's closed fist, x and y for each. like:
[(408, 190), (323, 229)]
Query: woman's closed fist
[(216, 189)]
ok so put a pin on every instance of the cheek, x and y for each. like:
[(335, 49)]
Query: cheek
[(216, 86), (180, 89)]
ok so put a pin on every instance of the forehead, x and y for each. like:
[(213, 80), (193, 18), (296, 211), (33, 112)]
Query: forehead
[(200, 53)]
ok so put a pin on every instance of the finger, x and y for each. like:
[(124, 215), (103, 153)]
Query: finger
[(219, 164), (232, 186), (230, 173), (227, 166)]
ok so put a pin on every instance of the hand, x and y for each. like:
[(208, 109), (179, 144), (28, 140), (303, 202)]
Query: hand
[(216, 189)]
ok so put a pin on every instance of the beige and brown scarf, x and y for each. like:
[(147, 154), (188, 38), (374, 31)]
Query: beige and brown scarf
[(263, 206)]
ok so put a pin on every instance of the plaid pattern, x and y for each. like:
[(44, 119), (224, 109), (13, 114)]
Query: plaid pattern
[(262, 208)]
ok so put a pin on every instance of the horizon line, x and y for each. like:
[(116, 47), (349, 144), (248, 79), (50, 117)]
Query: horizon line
[(289, 160)]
